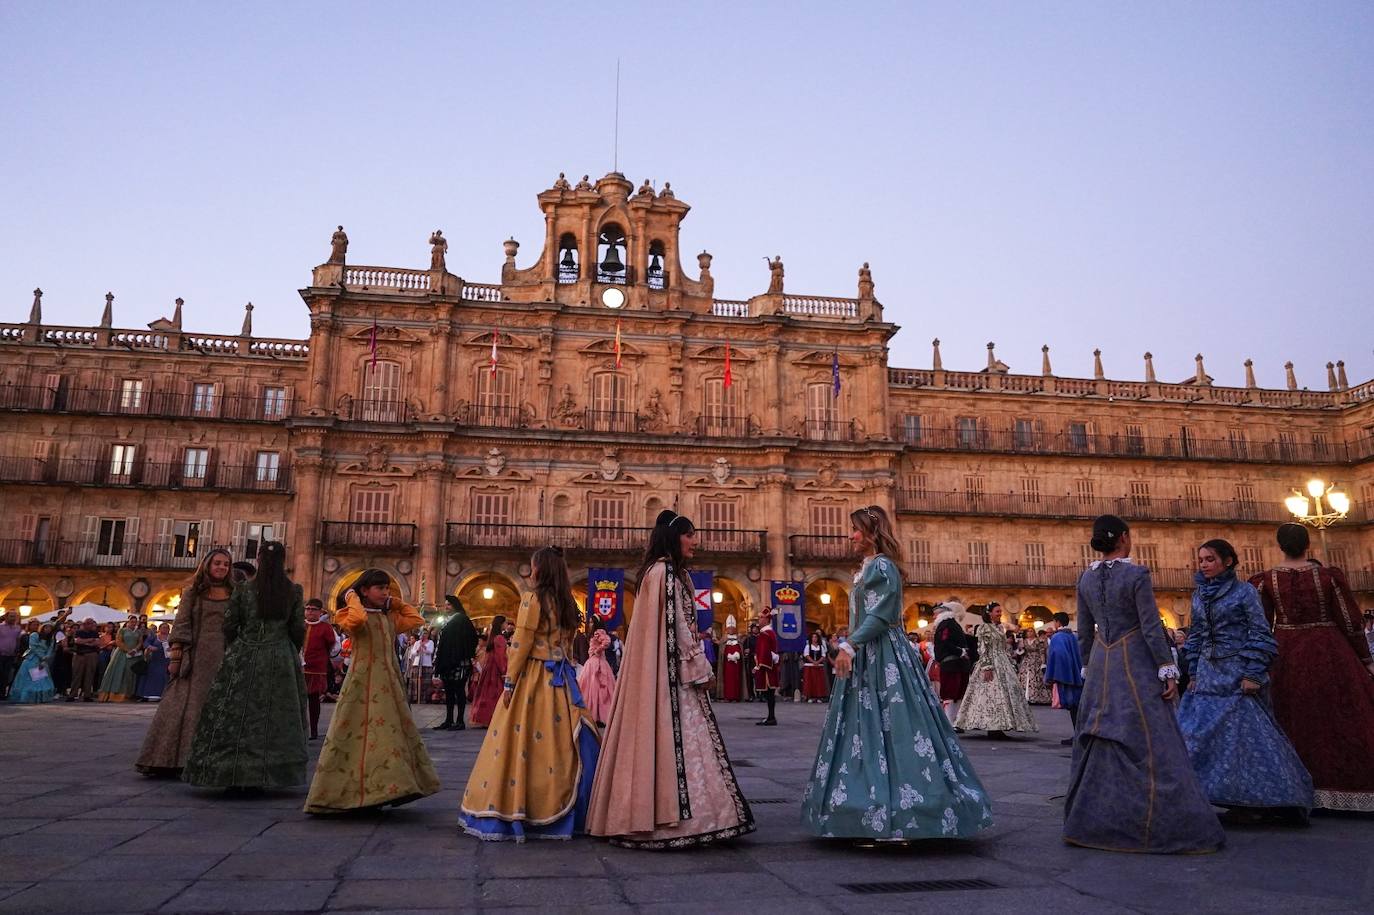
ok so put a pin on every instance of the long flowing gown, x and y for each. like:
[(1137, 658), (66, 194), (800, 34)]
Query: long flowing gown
[(596, 680), (154, 679), (1323, 694), (490, 682), (1241, 756), (888, 765), (372, 755), (731, 670), (998, 704), (27, 686), (664, 779), (533, 776), (1132, 787), (199, 629), (252, 731), (1033, 672), (119, 681)]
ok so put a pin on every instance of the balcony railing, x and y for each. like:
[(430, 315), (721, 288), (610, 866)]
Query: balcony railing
[(1137, 508), (391, 411), (612, 421), (1017, 575), (492, 416), (823, 547), (368, 536), (157, 404), (98, 472), (830, 430), (724, 426), (92, 554), (472, 535), (1113, 444)]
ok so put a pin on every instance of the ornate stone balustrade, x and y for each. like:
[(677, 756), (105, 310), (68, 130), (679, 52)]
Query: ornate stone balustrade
[(121, 339), (357, 277), (481, 292), (729, 308), (820, 306)]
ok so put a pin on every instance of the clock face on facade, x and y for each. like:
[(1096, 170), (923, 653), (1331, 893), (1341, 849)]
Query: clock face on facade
[(139, 588), (613, 298)]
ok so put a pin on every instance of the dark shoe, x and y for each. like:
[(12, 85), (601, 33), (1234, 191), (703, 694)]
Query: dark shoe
[(768, 722), (459, 726), (71, 698), (314, 736), (446, 726), (1066, 742)]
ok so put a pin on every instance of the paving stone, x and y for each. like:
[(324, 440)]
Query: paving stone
[(549, 891), (92, 896), (117, 867), (253, 896), (720, 888), (405, 891), (306, 864), (387, 867)]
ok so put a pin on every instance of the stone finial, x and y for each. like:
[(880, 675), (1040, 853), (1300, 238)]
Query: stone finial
[(1340, 375), (1097, 365), (1201, 376), (938, 364), (1045, 361), (1331, 376), (176, 315), (1150, 368), (1292, 379), (36, 312), (247, 329), (512, 248), (704, 263), (107, 318), (992, 357), (1250, 374), (865, 282)]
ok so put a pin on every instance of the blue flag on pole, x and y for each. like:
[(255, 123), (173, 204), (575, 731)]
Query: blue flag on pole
[(703, 583), (788, 620), (606, 596)]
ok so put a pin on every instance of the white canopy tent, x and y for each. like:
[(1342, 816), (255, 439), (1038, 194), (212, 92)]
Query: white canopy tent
[(98, 612)]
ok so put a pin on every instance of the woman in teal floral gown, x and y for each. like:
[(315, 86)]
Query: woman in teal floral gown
[(888, 766)]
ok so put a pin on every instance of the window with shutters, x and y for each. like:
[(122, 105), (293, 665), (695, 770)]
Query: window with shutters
[(495, 401), (1287, 443), (258, 533), (966, 431), (273, 403), (719, 414), (186, 541), (131, 394), (822, 414), (1078, 437), (827, 520), (1192, 496), (1035, 557), (194, 465), (1087, 555), (1140, 493), (122, 461), (1339, 557), (382, 399), (1240, 444), (1187, 440), (610, 397), (203, 399), (371, 506), (1030, 490), (55, 391), (1251, 561), (1085, 491), (917, 485), (1246, 509), (267, 466), (975, 490), (978, 562), (1147, 555), (491, 516), (607, 516), (1135, 438), (1321, 445), (109, 543), (719, 525), (920, 556), (912, 427), (1023, 434)]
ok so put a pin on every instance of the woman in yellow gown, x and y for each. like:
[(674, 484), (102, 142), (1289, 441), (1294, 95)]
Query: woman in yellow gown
[(372, 755), (533, 776)]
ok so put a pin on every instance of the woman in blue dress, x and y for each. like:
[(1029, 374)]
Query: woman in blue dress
[(1239, 753), (888, 766), (154, 678), (28, 685)]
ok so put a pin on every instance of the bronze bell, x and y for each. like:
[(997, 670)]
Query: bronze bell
[(567, 263), (656, 265), (612, 262)]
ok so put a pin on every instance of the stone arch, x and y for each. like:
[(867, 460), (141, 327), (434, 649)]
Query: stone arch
[(918, 615), (345, 577), (1038, 612), (116, 598), (735, 600), (826, 603), (36, 597), (487, 593), (163, 602)]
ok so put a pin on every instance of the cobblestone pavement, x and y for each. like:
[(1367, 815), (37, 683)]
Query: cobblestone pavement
[(80, 831)]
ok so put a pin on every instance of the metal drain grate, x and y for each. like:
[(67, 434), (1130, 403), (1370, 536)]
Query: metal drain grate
[(917, 886), (770, 800)]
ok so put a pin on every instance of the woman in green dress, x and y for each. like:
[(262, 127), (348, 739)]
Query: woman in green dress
[(251, 733), (888, 767), (120, 679)]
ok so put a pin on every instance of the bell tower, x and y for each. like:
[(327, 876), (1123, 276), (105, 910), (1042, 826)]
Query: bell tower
[(610, 245)]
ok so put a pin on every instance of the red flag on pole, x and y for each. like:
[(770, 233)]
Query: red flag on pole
[(493, 353), (617, 343), (372, 344), (729, 379)]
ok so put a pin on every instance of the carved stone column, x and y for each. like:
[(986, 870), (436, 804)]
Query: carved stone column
[(321, 360), (309, 556), (431, 521)]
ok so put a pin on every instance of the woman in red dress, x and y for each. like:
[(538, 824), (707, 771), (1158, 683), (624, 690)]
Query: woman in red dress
[(491, 681), (731, 664), (1323, 679), (815, 685)]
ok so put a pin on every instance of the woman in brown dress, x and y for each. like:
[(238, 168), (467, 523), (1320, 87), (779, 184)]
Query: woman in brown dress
[(197, 649)]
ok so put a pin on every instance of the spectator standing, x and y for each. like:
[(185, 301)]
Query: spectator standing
[(453, 663), (420, 660), (10, 634)]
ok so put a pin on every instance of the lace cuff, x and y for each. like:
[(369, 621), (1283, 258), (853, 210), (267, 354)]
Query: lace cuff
[(847, 649), (1168, 672)]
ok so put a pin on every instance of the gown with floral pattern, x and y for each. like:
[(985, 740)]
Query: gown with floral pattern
[(888, 765)]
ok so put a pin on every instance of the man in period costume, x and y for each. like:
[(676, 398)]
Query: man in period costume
[(766, 660), (954, 653), (453, 663), (748, 644), (1064, 669), (319, 643), (731, 663)]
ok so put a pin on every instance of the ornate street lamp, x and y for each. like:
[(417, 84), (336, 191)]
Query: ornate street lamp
[(1320, 507)]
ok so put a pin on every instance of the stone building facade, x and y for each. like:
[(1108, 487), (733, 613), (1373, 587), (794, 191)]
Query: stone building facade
[(443, 429)]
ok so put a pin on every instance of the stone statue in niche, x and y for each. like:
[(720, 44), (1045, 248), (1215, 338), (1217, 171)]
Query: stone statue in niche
[(720, 470), (566, 411), (438, 248), (774, 275), (344, 406), (338, 246), (610, 466), (654, 414), (495, 462)]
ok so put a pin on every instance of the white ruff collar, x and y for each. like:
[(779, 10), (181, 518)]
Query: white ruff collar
[(1109, 562)]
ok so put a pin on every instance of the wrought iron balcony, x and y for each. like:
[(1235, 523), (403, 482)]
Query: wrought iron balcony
[(154, 404), (490, 416), (612, 421), (147, 474), (725, 427), (830, 430), (486, 536), (1143, 508), (822, 547), (389, 412), (367, 536), (93, 554)]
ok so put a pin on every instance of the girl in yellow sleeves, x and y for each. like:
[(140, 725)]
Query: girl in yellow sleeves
[(533, 776), (372, 755)]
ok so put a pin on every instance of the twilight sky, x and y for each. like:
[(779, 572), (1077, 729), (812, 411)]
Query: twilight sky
[(1159, 176)]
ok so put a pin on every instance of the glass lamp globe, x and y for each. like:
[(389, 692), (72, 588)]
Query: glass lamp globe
[(1315, 488), (1339, 501), (1297, 505)]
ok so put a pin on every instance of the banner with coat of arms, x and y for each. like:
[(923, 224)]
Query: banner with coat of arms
[(703, 583), (789, 618), (606, 597)]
